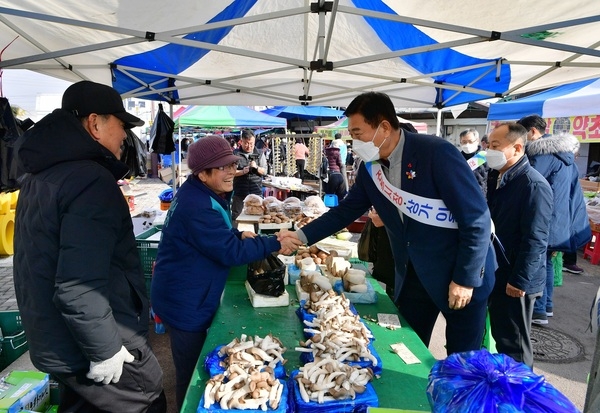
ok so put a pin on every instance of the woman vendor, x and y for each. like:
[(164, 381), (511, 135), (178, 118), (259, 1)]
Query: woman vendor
[(197, 249)]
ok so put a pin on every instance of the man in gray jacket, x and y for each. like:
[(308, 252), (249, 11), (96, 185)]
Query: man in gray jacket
[(77, 272)]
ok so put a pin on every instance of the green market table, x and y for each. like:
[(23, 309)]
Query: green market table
[(400, 386)]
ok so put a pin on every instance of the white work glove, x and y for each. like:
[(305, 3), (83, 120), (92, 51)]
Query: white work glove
[(110, 370)]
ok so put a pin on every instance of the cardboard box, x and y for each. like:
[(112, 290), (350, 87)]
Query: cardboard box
[(589, 185), (24, 390)]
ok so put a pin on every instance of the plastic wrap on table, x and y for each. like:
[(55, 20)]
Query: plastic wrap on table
[(283, 407), (478, 381), (368, 297), (377, 370), (212, 364), (305, 315), (360, 404), (293, 273)]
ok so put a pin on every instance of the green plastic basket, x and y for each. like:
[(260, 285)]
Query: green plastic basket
[(147, 250), (13, 343), (10, 322)]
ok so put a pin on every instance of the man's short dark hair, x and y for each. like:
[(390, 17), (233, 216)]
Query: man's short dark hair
[(516, 132), (470, 130), (375, 107), (247, 134), (533, 121)]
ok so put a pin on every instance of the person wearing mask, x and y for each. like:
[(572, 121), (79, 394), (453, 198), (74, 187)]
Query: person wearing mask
[(78, 278), (335, 184), (469, 147), (339, 143), (536, 127), (198, 247), (554, 158), (301, 152), (484, 143), (249, 174), (520, 202), (404, 176)]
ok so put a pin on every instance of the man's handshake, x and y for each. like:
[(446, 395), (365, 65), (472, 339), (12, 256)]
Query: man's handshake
[(289, 242)]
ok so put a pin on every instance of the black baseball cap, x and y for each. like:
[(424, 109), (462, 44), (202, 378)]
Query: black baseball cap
[(85, 97)]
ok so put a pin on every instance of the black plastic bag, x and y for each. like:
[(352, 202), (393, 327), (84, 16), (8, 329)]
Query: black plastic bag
[(11, 129), (367, 243), (267, 276), (161, 133), (134, 154)]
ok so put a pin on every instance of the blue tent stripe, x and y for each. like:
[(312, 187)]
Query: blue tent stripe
[(174, 58), (303, 112), (398, 36), (533, 104)]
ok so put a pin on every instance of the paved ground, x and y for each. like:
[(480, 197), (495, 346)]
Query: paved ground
[(566, 342)]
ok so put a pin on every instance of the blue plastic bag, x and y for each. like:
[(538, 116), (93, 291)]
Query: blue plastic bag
[(368, 297), (166, 195), (478, 381)]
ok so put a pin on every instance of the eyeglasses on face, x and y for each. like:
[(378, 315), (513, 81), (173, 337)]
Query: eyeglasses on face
[(230, 167)]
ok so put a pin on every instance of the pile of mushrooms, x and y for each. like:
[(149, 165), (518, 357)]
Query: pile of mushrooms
[(328, 379), (248, 381), (336, 331)]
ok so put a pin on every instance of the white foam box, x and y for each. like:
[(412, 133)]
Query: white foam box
[(283, 225), (24, 390), (261, 300), (302, 295)]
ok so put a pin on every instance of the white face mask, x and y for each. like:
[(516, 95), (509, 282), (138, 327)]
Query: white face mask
[(469, 147), (367, 151), (495, 159)]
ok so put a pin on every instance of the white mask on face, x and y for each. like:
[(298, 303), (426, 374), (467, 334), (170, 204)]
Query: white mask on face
[(495, 159), (367, 151), (469, 147)]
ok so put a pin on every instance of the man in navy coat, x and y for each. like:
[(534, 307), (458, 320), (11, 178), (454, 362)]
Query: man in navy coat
[(520, 202), (435, 216)]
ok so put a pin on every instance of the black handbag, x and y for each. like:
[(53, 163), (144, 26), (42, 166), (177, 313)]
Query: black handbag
[(367, 243)]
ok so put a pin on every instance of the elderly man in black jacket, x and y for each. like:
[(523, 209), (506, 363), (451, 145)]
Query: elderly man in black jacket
[(520, 202), (77, 272)]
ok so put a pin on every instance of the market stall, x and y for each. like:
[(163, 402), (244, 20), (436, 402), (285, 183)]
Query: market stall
[(401, 385)]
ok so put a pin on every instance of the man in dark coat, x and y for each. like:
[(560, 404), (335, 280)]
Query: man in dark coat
[(77, 272), (250, 171), (439, 228), (520, 202), (554, 158)]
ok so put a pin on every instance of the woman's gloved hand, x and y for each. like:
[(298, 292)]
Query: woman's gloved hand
[(109, 370)]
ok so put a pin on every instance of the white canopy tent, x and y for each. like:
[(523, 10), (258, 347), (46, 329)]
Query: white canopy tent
[(286, 52)]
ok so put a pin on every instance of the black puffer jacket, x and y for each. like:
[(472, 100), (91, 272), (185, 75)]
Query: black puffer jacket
[(78, 279)]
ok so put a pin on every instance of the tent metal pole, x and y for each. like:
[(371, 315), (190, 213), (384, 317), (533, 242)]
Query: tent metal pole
[(174, 166), (438, 127)]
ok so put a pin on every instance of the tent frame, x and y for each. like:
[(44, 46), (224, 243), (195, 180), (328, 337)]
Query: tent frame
[(310, 67)]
